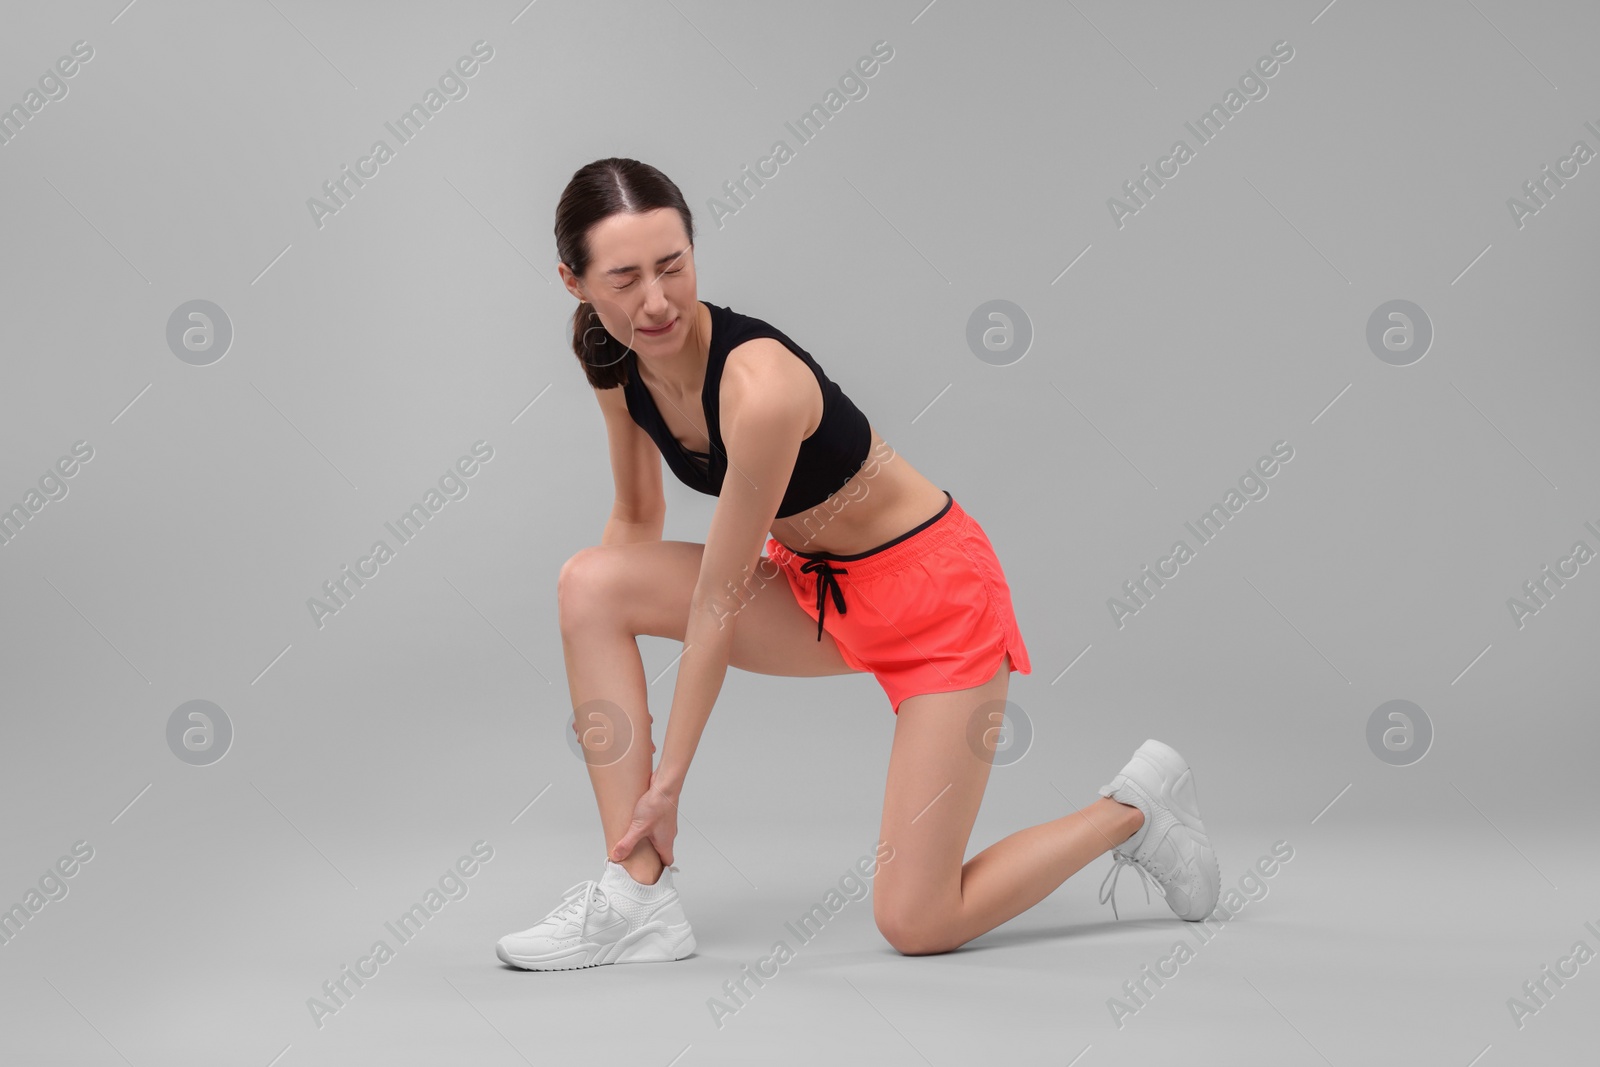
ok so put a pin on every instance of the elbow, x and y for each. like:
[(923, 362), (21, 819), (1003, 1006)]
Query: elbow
[(719, 610), (623, 527), (655, 516)]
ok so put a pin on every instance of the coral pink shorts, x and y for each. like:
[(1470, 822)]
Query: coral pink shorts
[(927, 612)]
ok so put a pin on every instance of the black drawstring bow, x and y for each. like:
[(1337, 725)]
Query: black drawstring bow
[(826, 582)]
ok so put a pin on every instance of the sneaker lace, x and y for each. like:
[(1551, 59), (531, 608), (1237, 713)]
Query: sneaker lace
[(577, 902), (1108, 888)]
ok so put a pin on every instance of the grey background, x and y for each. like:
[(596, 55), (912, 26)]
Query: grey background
[(369, 354)]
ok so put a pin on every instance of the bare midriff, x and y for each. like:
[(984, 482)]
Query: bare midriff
[(884, 499)]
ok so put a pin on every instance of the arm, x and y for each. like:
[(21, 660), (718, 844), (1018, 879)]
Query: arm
[(620, 531), (765, 409), (639, 510)]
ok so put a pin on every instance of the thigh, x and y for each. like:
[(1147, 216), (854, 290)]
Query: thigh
[(938, 769), (647, 586)]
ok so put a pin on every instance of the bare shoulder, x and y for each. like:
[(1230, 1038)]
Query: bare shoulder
[(763, 374), (611, 400), (614, 406)]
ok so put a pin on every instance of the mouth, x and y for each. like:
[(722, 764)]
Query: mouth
[(659, 330)]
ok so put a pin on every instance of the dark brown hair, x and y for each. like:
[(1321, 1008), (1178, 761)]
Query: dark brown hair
[(597, 191)]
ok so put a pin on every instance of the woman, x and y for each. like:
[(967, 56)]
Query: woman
[(917, 598)]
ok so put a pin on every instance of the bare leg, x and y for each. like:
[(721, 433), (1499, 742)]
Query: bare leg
[(605, 679), (1016, 872), (607, 596), (925, 899)]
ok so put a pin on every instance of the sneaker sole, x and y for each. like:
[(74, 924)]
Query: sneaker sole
[(652, 943)]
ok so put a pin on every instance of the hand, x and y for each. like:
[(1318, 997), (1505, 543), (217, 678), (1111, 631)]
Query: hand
[(655, 818)]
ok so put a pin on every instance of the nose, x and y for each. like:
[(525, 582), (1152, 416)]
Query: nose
[(655, 301)]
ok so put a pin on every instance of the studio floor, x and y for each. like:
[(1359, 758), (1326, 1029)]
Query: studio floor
[(1366, 947)]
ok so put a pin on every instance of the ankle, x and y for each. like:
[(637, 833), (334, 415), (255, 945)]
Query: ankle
[(1130, 818), (646, 870)]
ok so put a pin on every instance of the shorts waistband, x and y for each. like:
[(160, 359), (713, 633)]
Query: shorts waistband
[(893, 555)]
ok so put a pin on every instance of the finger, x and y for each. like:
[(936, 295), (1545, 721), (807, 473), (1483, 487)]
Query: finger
[(623, 846)]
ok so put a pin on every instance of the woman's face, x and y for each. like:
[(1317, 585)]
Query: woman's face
[(641, 280)]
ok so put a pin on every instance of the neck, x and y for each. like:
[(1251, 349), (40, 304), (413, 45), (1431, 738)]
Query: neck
[(682, 372)]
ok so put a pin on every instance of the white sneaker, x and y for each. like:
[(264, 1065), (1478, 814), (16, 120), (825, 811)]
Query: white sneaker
[(1170, 847), (612, 920)]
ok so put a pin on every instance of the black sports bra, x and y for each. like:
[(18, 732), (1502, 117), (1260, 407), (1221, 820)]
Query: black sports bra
[(827, 459)]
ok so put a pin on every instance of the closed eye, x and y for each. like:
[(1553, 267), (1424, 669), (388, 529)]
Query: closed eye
[(623, 287)]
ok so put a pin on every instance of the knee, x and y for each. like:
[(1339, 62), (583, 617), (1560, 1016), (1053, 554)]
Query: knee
[(909, 929), (585, 588)]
